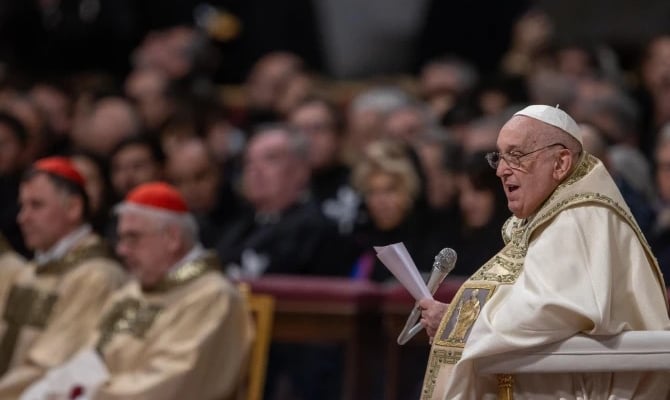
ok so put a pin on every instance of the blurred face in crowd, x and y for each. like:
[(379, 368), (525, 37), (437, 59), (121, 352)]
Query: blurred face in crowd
[(147, 87), (146, 245), (297, 88), (224, 141), (404, 124), (477, 206), (656, 66), (530, 184), (387, 200), (663, 171), (493, 101), (168, 50), (25, 110), (363, 127), (175, 133), (439, 85), (480, 135), (315, 121), (110, 121), (575, 62), (441, 184), (47, 213), (193, 172), (269, 77), (55, 105), (11, 151), (273, 176), (132, 165)]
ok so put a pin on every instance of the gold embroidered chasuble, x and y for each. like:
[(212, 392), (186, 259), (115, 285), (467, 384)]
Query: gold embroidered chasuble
[(187, 338), (11, 264), (580, 264), (51, 310)]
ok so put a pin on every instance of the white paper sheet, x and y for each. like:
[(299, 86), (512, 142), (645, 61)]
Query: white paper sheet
[(86, 370), (397, 259)]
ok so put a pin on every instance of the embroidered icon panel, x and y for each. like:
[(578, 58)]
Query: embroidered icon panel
[(462, 315)]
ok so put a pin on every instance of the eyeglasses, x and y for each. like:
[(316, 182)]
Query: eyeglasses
[(134, 238), (513, 159)]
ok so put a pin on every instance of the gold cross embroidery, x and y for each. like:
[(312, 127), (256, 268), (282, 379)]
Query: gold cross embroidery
[(26, 306), (128, 315)]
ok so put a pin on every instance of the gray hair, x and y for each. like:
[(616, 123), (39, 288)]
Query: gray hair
[(388, 157), (297, 143), (184, 221), (383, 99)]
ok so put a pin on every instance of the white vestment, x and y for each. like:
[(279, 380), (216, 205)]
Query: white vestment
[(188, 337), (579, 265)]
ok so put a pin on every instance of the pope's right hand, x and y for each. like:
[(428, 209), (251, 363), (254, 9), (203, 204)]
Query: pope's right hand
[(432, 312)]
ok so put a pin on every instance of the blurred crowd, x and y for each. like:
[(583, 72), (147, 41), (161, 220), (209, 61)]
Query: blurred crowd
[(293, 173)]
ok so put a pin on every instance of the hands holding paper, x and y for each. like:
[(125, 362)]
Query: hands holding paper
[(396, 258)]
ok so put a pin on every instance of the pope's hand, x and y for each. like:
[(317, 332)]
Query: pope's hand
[(432, 312)]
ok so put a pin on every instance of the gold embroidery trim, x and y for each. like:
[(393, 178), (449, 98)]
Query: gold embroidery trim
[(506, 266), (74, 258), (437, 359), (25, 307), (505, 387), (127, 316), (502, 269), (188, 272)]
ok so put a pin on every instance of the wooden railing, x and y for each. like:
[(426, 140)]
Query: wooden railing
[(363, 316)]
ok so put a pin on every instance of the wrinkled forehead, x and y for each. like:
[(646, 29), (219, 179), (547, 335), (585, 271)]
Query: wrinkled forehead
[(519, 132)]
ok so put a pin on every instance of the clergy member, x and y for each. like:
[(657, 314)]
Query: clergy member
[(180, 329), (575, 261), (54, 302)]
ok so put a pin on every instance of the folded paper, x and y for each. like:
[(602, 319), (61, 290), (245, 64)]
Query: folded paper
[(397, 259), (84, 373)]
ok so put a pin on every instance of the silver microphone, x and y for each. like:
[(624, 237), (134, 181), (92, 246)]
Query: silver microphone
[(444, 263)]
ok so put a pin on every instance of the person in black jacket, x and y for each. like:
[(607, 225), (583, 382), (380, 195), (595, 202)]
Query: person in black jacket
[(282, 231)]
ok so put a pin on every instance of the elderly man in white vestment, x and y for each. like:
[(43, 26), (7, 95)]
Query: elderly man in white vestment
[(574, 261), (53, 303), (180, 329)]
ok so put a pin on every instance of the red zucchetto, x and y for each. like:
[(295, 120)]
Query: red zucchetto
[(157, 195), (60, 166)]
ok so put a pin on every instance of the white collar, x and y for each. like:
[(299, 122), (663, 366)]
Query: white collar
[(65, 244)]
